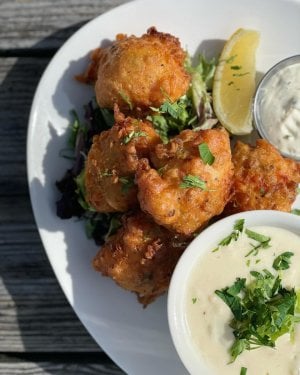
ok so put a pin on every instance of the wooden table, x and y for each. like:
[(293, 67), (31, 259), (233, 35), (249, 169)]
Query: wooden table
[(39, 332)]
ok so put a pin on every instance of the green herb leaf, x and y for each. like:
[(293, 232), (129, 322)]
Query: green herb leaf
[(172, 117), (133, 134), (234, 235), (230, 296), (205, 154), (191, 181), (81, 193), (75, 126), (114, 225), (127, 183), (194, 300), (263, 310), (231, 59), (282, 262), (240, 74), (296, 211), (236, 67), (243, 371), (263, 242), (126, 99), (257, 236), (202, 77)]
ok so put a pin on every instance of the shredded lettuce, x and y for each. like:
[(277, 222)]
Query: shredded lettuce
[(202, 78), (191, 111), (72, 187)]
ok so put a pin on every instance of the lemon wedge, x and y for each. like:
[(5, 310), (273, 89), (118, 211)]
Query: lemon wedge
[(234, 82)]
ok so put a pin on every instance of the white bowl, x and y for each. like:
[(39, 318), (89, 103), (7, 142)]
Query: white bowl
[(205, 242)]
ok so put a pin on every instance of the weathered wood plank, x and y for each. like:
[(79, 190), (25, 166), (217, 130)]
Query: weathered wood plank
[(33, 309), (44, 24), (55, 365), (18, 78)]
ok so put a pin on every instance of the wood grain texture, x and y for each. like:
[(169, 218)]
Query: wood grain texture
[(26, 365), (33, 309), (44, 24)]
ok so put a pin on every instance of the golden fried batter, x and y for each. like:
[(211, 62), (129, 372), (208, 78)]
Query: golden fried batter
[(140, 257), (141, 71), (181, 208), (263, 179), (112, 162)]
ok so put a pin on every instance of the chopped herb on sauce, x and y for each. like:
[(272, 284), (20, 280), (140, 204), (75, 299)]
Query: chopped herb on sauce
[(263, 242), (263, 310), (283, 261), (234, 235)]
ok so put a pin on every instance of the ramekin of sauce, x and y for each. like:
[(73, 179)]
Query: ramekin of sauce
[(276, 107), (247, 246)]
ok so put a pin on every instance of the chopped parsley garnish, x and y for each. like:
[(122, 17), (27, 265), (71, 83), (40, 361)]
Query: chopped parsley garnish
[(106, 173), (127, 183), (243, 371), (283, 261), (230, 83), (263, 242), (263, 310), (191, 181), (298, 190), (296, 211), (133, 134), (172, 117), (126, 99), (194, 300), (230, 59), (240, 74), (234, 235), (205, 154), (236, 67)]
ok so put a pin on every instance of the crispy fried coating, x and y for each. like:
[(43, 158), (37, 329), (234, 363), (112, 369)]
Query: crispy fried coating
[(141, 256), (263, 179), (142, 71), (112, 162), (186, 209)]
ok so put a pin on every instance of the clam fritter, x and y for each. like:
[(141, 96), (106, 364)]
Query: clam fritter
[(140, 257), (185, 192), (263, 179), (112, 162), (140, 71)]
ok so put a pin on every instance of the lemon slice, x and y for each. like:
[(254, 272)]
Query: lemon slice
[(234, 82)]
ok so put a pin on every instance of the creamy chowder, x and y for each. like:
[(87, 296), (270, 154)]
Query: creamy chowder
[(208, 317)]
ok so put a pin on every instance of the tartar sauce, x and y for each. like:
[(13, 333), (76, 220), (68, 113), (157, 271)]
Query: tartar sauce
[(208, 317), (280, 109)]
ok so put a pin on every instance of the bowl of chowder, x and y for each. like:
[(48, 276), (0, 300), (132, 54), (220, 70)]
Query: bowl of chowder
[(234, 298)]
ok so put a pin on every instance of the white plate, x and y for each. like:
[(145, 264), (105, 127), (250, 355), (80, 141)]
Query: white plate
[(137, 339)]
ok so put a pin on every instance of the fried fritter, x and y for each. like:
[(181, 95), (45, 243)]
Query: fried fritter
[(141, 256), (170, 194), (140, 71), (112, 162), (263, 179)]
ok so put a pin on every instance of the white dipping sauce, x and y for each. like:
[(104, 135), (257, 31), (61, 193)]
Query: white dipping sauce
[(280, 109), (208, 317)]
